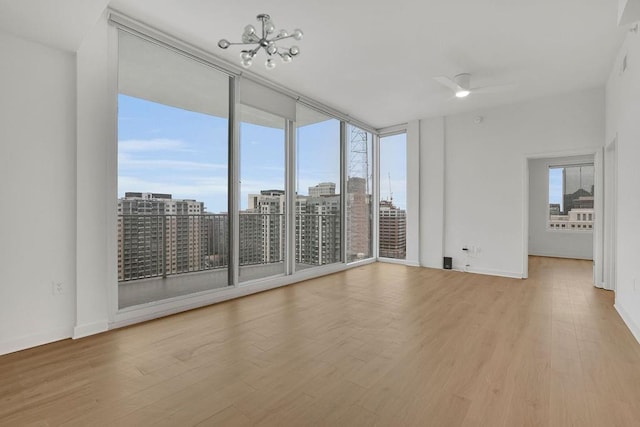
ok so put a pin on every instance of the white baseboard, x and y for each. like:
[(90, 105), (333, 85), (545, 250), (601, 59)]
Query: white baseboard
[(633, 327), (85, 330), (557, 255), (393, 261), (490, 272), (34, 340)]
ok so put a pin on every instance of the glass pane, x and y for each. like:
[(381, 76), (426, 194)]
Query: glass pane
[(359, 196), (571, 198), (172, 174), (262, 194), (318, 240), (393, 197)]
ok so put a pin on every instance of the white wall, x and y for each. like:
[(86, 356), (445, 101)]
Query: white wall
[(484, 174), (96, 152), (545, 242), (432, 163), (413, 193), (622, 118), (37, 195)]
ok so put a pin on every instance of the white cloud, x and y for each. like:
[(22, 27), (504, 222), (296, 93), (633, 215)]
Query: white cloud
[(125, 161), (187, 190), (156, 144)]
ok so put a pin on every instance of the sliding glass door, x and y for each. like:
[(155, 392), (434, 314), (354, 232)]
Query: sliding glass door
[(263, 195), (172, 174), (318, 199)]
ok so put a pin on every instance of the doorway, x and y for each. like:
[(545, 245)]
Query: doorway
[(563, 209)]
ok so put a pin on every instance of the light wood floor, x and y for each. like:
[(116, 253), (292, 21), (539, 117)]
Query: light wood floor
[(382, 344)]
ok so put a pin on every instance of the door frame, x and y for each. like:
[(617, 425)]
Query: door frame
[(598, 241), (610, 165)]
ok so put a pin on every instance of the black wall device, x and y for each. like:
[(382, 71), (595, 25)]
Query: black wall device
[(447, 263)]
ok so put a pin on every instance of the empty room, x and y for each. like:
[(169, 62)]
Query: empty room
[(319, 213)]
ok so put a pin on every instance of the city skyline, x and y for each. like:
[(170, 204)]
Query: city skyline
[(159, 235)]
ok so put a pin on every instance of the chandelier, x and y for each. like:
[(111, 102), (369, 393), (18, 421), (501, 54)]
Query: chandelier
[(250, 37)]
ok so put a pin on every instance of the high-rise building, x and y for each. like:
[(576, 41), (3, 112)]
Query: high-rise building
[(393, 230), (262, 230), (323, 189), (317, 227), (577, 183), (358, 219), (158, 235), (217, 226)]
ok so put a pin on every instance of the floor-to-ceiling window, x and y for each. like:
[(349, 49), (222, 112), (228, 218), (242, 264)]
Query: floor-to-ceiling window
[(172, 174), (223, 181), (359, 193), (263, 195), (392, 211), (318, 232)]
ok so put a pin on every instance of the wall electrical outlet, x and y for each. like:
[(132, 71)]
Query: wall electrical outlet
[(57, 288)]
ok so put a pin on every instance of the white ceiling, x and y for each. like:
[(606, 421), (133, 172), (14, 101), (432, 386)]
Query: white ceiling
[(58, 23), (375, 59)]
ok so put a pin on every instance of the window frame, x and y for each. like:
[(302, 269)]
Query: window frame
[(567, 228), (393, 131), (119, 317)]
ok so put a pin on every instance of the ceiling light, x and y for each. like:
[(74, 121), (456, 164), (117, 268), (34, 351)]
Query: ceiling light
[(462, 93), (262, 41)]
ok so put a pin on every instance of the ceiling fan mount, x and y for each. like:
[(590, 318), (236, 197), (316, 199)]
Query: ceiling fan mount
[(460, 84), (463, 81)]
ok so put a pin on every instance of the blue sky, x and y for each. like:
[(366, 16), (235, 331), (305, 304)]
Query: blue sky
[(393, 163), (163, 149), (262, 160), (555, 186), (318, 155)]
